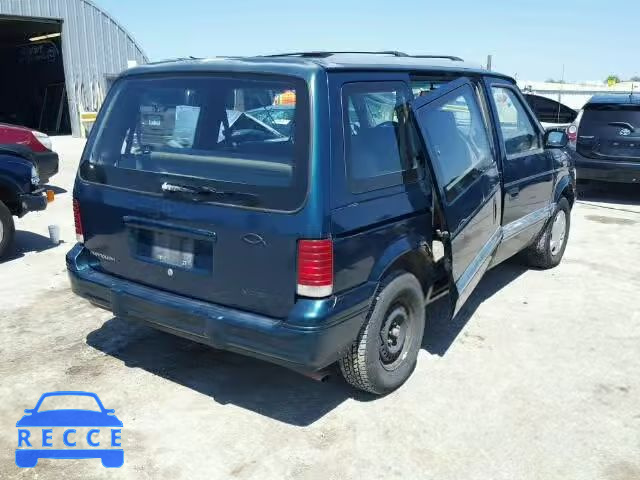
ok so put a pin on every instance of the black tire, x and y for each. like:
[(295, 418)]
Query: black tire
[(380, 367), (8, 230), (540, 253)]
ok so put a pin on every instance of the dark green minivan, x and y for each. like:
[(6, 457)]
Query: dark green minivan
[(307, 208)]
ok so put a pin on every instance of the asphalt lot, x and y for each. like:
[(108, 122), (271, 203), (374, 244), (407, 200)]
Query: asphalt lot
[(538, 378)]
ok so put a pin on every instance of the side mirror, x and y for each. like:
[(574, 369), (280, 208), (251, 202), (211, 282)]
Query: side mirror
[(109, 411), (555, 139), (28, 410)]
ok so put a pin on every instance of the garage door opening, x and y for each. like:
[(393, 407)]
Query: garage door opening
[(32, 86)]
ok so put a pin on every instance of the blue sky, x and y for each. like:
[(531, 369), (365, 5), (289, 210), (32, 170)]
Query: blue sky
[(529, 39)]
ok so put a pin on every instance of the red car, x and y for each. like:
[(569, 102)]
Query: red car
[(38, 142)]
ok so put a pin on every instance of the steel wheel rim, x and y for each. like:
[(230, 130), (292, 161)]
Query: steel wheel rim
[(558, 232), (395, 336)]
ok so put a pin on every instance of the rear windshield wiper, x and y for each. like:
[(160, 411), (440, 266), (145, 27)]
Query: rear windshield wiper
[(201, 192)]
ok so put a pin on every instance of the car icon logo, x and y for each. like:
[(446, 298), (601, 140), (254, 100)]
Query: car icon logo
[(93, 432), (625, 132)]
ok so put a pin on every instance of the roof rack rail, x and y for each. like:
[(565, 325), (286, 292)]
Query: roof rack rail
[(323, 54), (175, 59), (453, 58), (395, 53)]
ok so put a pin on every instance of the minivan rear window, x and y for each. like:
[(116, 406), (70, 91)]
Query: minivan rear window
[(238, 139)]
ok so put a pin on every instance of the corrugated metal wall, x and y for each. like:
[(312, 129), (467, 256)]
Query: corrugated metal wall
[(94, 45)]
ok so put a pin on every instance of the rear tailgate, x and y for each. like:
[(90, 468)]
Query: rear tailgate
[(182, 190), (610, 131), (214, 253)]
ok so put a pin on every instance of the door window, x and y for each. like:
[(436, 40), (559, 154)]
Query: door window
[(423, 86), (519, 134), (457, 132), (380, 141), (550, 111)]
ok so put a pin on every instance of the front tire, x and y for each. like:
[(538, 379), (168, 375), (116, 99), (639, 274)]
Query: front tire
[(385, 353), (547, 251), (7, 230)]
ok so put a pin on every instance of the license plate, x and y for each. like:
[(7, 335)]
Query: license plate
[(154, 121), (172, 250)]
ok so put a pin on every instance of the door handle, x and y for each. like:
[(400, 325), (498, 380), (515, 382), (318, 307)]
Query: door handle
[(495, 209), (514, 192)]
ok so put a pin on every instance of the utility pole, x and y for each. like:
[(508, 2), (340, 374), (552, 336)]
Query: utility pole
[(489, 58), (560, 92)]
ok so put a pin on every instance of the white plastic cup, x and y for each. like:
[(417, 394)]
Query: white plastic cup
[(54, 234)]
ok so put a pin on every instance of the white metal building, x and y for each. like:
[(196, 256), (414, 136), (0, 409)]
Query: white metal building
[(575, 95), (57, 58)]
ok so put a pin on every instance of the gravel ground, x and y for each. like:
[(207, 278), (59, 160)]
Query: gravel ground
[(537, 378)]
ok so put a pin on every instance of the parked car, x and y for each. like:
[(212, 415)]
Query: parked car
[(20, 190), (37, 142), (550, 113), (605, 139), (43, 415), (318, 245)]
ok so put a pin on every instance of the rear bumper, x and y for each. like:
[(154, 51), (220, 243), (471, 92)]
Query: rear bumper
[(48, 164), (110, 458), (32, 202), (606, 170), (313, 336)]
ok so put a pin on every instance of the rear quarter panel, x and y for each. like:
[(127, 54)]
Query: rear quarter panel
[(564, 179), (372, 234)]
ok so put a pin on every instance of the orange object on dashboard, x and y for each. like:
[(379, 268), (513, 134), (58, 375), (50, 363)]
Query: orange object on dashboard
[(285, 98)]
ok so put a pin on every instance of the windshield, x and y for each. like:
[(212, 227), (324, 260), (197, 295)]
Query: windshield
[(279, 118), (243, 135), (69, 402)]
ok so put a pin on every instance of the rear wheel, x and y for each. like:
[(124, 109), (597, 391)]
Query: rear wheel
[(26, 458), (548, 249), (7, 230), (384, 355), (113, 459)]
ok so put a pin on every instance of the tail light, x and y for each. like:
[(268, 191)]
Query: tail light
[(43, 139), (572, 133), (315, 268), (572, 130), (78, 221)]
